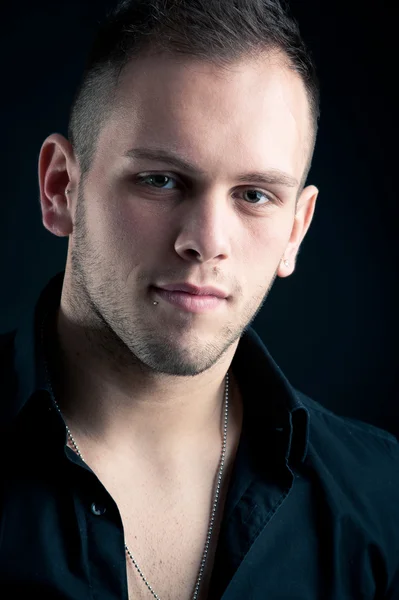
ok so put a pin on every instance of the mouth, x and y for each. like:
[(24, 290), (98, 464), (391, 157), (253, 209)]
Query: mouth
[(187, 302)]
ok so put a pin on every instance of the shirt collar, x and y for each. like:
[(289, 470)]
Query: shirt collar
[(270, 401), (29, 356)]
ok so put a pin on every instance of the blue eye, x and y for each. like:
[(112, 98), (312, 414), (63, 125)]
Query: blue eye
[(157, 179)]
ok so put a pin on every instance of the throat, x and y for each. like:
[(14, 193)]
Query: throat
[(134, 447)]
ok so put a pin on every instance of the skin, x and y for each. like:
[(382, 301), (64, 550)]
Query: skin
[(129, 374)]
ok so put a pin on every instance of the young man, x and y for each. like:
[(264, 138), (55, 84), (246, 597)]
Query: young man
[(154, 448)]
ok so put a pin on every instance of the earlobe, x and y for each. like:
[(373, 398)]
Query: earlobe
[(285, 268)]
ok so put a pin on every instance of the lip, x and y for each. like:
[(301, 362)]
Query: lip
[(194, 289), (193, 303)]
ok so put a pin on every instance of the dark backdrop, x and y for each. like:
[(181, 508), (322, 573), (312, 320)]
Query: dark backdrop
[(333, 325)]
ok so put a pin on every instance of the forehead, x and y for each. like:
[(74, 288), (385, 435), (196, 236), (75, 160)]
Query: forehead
[(253, 114)]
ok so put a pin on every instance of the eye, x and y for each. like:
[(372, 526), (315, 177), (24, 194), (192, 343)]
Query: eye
[(156, 180), (162, 181), (254, 198)]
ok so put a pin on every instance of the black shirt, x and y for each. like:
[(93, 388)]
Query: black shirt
[(312, 509)]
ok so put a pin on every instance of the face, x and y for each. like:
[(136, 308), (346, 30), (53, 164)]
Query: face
[(142, 222)]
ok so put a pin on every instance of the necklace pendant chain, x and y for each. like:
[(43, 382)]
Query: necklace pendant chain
[(216, 495)]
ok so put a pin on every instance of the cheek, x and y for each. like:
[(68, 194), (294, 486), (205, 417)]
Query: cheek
[(263, 245), (260, 253), (134, 232)]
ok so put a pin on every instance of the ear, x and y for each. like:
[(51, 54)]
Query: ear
[(58, 175), (303, 218)]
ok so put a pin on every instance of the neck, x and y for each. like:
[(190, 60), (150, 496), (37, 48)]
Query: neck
[(156, 413)]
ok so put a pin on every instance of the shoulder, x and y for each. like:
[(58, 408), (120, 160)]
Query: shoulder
[(358, 462), (346, 430), (355, 467)]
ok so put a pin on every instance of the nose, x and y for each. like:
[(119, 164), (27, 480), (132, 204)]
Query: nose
[(204, 233)]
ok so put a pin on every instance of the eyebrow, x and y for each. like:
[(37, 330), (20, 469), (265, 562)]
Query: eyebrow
[(270, 177)]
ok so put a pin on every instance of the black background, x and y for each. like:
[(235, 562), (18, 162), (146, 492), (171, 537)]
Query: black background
[(332, 326)]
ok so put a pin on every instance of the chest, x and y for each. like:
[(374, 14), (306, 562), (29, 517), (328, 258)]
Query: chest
[(168, 548), (166, 533)]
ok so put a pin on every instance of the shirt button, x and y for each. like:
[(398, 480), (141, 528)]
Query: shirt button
[(97, 509)]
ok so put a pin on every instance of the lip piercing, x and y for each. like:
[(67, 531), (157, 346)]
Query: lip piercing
[(285, 262)]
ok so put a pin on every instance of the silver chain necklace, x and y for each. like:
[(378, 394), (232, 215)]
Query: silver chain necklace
[(217, 492)]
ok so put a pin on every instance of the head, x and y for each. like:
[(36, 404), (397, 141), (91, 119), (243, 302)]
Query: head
[(190, 141)]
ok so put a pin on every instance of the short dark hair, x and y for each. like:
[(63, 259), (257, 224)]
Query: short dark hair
[(217, 31)]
